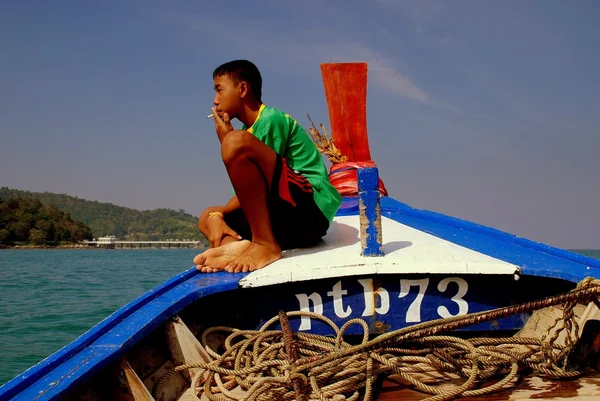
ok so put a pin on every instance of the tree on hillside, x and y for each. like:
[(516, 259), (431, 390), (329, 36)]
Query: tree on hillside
[(28, 220), (108, 219)]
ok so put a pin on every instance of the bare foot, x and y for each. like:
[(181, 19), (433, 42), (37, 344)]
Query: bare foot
[(255, 257), (215, 259)]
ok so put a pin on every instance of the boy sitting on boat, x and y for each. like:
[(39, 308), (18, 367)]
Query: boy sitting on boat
[(283, 198)]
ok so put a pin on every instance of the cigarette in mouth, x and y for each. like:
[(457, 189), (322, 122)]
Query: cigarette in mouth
[(209, 116)]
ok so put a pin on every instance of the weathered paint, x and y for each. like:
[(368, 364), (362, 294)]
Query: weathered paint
[(370, 212)]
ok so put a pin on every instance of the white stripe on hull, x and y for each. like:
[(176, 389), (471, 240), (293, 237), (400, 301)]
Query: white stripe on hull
[(407, 251)]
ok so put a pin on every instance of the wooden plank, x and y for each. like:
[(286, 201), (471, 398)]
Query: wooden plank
[(591, 312), (184, 346), (530, 388), (132, 385)]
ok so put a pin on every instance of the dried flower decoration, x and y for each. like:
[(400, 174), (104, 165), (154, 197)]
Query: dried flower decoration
[(325, 144)]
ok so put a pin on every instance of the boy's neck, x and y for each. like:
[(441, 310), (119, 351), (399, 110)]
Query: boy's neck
[(249, 113)]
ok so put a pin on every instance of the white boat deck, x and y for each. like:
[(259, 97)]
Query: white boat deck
[(406, 249)]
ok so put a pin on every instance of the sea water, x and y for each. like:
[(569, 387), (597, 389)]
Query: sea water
[(50, 297)]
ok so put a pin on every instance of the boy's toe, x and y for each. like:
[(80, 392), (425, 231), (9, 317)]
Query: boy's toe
[(200, 259)]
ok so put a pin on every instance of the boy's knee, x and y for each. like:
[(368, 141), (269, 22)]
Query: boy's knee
[(236, 143), (204, 217), (210, 209)]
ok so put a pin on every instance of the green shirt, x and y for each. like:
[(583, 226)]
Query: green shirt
[(286, 137)]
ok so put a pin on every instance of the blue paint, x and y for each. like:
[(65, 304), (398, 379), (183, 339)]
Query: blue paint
[(368, 197), (349, 207), (368, 179), (380, 301), (533, 258), (372, 246)]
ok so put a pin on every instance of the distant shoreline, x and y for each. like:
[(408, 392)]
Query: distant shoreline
[(29, 246)]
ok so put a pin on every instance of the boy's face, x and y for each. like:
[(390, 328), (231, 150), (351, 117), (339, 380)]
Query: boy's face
[(228, 97)]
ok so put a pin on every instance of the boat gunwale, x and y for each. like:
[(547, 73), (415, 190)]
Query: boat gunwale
[(389, 204)]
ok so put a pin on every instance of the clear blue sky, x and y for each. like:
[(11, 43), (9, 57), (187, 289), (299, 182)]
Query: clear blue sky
[(484, 110)]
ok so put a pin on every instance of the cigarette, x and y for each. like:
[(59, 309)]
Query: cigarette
[(209, 116)]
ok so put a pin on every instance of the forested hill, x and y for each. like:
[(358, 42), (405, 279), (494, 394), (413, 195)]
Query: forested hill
[(125, 223)]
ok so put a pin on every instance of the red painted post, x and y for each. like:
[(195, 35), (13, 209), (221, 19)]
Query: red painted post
[(346, 93)]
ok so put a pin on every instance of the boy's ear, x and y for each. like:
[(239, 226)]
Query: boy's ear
[(243, 89)]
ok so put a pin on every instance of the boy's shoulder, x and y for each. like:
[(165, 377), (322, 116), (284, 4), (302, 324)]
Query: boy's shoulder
[(273, 116), (273, 112)]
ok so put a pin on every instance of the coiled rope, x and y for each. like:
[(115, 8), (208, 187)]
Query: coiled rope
[(277, 364)]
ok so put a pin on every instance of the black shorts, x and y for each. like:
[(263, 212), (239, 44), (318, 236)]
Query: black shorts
[(296, 219)]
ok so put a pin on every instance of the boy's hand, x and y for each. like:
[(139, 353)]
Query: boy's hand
[(222, 125), (219, 230)]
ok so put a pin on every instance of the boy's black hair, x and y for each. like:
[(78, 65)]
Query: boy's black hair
[(242, 70)]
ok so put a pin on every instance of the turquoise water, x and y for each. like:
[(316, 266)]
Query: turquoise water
[(50, 297)]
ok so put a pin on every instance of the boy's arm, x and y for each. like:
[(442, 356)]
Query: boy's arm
[(232, 205), (229, 207)]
